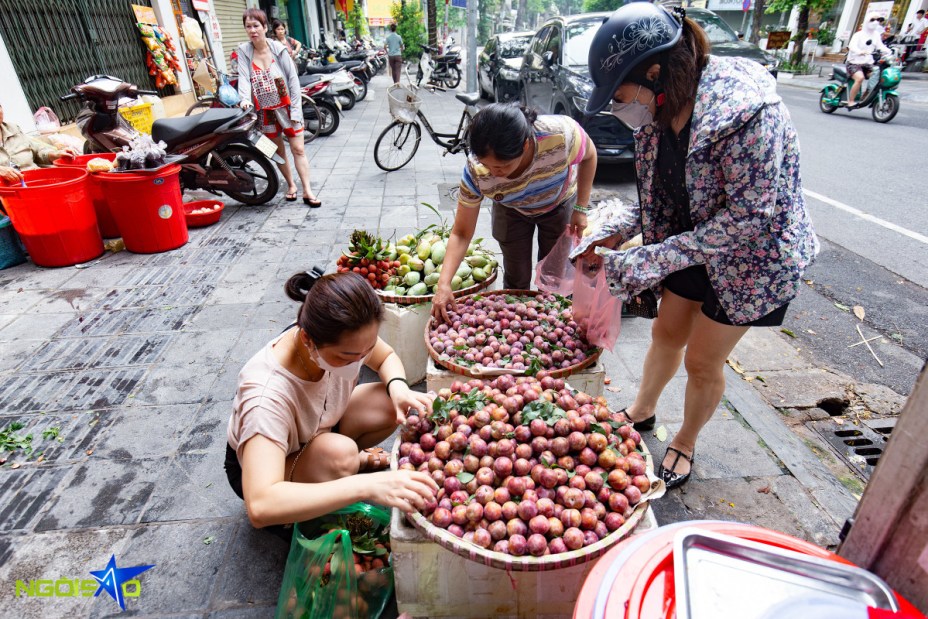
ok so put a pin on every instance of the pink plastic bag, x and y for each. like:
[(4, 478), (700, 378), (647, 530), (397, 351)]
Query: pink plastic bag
[(554, 273), (595, 309)]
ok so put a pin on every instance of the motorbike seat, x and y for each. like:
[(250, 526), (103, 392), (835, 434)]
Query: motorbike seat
[(306, 80), (468, 98), (176, 130), (329, 68), (840, 72), (351, 64)]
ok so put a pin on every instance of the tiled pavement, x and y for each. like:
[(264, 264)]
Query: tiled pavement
[(134, 360)]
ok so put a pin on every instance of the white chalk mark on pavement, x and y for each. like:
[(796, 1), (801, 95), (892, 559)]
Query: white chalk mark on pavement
[(921, 238)]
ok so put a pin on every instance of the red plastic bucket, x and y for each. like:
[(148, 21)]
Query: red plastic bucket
[(148, 209), (95, 188), (635, 580), (54, 216)]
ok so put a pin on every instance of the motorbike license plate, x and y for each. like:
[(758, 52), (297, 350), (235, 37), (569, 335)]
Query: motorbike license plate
[(266, 146)]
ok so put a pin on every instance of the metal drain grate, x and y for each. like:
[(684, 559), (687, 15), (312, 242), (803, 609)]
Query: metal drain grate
[(860, 445)]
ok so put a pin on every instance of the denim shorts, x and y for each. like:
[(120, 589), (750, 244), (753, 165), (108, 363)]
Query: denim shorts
[(693, 284)]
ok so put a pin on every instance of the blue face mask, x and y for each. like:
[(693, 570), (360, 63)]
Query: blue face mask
[(633, 114)]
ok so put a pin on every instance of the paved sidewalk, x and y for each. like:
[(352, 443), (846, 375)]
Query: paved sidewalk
[(134, 360)]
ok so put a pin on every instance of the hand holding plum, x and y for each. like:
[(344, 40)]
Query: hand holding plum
[(407, 491), (405, 400)]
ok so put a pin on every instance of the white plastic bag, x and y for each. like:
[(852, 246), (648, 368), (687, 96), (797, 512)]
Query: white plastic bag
[(46, 121), (193, 36)]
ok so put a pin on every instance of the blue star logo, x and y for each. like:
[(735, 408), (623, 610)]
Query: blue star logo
[(111, 579)]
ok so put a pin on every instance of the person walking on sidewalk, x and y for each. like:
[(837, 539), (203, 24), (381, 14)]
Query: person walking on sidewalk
[(725, 228), (268, 81), (280, 35), (394, 47), (302, 428), (538, 170)]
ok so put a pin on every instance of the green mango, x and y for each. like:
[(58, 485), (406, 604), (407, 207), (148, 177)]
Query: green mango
[(479, 274), (403, 270), (389, 288), (404, 258), (438, 252), (431, 279), (471, 249), (418, 290), (429, 267), (424, 250), (491, 265), (402, 249), (415, 264), (399, 291), (477, 261), (463, 271), (467, 283), (412, 278), (456, 283), (408, 240)]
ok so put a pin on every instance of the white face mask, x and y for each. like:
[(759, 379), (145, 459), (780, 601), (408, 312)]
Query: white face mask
[(347, 372), (634, 113)]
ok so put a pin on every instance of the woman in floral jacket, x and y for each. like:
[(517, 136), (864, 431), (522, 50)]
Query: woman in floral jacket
[(726, 235)]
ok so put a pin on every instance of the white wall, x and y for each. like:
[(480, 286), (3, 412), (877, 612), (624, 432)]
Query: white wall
[(15, 106)]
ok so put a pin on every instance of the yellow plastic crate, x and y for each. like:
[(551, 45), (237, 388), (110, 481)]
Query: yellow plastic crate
[(139, 116)]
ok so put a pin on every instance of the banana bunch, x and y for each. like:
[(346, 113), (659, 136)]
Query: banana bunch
[(421, 258)]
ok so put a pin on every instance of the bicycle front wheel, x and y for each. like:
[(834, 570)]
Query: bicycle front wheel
[(397, 145)]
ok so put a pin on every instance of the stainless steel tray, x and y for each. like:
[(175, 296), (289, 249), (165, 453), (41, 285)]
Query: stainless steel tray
[(719, 575)]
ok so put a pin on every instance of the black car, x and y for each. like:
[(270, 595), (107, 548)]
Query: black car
[(499, 63), (555, 79), (555, 76), (725, 41)]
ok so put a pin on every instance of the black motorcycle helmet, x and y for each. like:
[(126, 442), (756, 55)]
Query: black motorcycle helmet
[(634, 33)]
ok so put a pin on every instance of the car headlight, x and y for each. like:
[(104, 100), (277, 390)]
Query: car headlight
[(580, 102), (508, 73)]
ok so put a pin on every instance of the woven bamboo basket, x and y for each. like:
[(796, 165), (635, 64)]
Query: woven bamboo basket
[(427, 298), (474, 371)]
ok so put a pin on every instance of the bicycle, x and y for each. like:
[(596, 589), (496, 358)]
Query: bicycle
[(399, 141), (315, 122)]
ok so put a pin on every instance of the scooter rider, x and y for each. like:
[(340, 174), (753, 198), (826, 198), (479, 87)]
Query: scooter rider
[(860, 54)]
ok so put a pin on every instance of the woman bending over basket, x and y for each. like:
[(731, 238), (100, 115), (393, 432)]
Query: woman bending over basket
[(726, 231), (538, 170), (302, 428)]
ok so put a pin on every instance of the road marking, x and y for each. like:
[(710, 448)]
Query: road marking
[(921, 238)]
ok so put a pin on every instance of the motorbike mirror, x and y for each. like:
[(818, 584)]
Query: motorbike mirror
[(548, 57)]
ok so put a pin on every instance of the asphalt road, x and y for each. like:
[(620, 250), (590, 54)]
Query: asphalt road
[(867, 191)]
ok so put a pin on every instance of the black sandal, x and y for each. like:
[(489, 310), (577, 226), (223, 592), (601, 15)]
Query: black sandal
[(312, 203), (642, 426), (290, 197), (672, 479)]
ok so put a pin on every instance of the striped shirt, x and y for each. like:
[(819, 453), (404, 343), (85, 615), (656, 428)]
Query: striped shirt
[(550, 180)]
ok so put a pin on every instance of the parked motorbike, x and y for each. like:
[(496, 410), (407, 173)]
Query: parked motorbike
[(878, 92), (317, 89), (355, 76), (445, 69), (221, 149)]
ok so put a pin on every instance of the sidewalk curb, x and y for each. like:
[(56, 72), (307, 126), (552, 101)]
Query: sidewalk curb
[(833, 498)]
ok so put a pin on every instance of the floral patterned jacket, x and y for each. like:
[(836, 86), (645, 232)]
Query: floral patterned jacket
[(751, 226)]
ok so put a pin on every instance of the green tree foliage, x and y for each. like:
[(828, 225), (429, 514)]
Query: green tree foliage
[(355, 21), (408, 17), (592, 6), (805, 7), (487, 17)]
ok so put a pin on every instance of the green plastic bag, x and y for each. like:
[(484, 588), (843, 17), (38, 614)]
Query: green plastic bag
[(321, 580)]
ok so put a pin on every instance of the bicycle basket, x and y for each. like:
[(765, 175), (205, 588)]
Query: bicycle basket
[(404, 103)]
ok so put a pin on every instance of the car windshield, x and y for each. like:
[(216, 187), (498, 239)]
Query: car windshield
[(579, 37), (514, 48), (716, 29)]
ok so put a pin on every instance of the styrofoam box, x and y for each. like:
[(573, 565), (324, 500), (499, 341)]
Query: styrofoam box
[(590, 380), (432, 581), (403, 328)]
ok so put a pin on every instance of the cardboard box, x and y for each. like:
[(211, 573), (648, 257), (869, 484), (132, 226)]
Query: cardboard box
[(432, 581), (403, 328)]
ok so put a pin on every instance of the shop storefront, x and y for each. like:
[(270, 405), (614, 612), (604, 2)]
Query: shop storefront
[(229, 14)]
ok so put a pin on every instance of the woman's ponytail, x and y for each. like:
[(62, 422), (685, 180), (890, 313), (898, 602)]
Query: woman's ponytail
[(299, 284)]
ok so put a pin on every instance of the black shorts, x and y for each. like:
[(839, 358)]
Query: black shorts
[(866, 69), (693, 284)]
